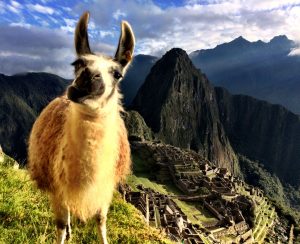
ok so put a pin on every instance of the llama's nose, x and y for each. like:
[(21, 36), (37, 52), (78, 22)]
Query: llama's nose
[(83, 79)]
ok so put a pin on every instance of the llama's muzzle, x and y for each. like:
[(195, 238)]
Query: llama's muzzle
[(86, 86)]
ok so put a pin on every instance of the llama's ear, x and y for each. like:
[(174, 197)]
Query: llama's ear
[(124, 52), (81, 35)]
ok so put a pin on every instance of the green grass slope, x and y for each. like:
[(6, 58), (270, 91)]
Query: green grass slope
[(26, 217)]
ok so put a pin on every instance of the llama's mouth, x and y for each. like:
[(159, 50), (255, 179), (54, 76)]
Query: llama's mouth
[(79, 96)]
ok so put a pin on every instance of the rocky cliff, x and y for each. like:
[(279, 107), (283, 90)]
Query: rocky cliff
[(179, 105), (264, 132)]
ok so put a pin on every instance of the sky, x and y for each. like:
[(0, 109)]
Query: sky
[(37, 35)]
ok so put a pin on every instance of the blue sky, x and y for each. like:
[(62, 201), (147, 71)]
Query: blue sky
[(37, 35)]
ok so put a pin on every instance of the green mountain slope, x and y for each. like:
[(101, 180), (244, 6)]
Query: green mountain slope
[(22, 97)]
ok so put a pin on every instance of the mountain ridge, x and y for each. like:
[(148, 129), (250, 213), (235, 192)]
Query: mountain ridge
[(264, 70), (241, 40)]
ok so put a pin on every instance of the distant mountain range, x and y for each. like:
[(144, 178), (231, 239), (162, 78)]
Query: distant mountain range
[(136, 75), (262, 70)]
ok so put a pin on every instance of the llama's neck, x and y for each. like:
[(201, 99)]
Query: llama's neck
[(91, 142), (90, 153), (87, 125)]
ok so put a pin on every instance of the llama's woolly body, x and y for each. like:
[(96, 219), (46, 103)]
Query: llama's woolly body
[(78, 147), (79, 158)]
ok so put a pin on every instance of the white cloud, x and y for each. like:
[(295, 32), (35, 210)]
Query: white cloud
[(70, 25), (35, 49), (15, 4), (40, 8), (17, 54), (20, 24), (67, 9), (70, 22), (191, 26), (39, 49), (2, 8), (14, 8), (195, 25), (255, 5), (295, 51), (117, 14), (104, 34)]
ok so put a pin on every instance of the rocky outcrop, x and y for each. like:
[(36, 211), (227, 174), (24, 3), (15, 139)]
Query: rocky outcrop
[(179, 105), (136, 127)]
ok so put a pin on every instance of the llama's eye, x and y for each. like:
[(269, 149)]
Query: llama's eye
[(117, 75), (79, 63)]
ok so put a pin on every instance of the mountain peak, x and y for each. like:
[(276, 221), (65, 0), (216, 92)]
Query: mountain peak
[(240, 38), (176, 52), (279, 38), (169, 101), (176, 56), (240, 41)]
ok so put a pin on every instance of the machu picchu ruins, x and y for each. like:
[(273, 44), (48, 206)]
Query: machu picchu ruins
[(237, 212)]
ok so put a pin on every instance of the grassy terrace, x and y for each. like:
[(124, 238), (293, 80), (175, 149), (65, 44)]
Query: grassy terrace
[(194, 214), (265, 219), (264, 216), (25, 216)]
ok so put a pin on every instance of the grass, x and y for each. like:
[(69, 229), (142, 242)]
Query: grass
[(26, 217), (134, 180), (195, 213)]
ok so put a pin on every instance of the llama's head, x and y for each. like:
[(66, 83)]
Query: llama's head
[(96, 75)]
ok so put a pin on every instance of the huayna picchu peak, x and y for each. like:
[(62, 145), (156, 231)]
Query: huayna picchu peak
[(179, 105)]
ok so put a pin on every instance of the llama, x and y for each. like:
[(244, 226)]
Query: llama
[(78, 147)]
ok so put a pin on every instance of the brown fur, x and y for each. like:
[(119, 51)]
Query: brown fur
[(66, 170)]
